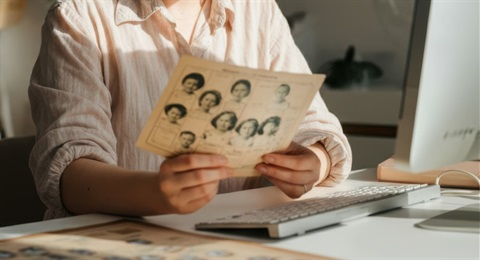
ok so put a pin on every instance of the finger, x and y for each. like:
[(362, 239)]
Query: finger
[(171, 185), (201, 176), (299, 162), (294, 149), (287, 175), (200, 202), (291, 190), (187, 162), (193, 198)]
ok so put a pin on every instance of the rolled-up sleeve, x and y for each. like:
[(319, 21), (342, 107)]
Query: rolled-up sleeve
[(70, 104), (319, 125)]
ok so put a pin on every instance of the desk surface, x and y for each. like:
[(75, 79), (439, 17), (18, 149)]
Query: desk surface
[(388, 235)]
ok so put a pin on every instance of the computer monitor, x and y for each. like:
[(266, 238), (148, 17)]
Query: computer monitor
[(440, 118)]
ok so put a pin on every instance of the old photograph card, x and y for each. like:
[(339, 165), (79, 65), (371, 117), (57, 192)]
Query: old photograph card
[(123, 240), (242, 113)]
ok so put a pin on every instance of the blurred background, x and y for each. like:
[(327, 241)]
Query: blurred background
[(360, 44), (20, 25)]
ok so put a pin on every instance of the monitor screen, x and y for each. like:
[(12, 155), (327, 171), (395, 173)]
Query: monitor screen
[(440, 118)]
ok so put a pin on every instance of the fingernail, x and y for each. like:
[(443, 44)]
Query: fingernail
[(222, 160), (229, 172), (262, 169), (269, 159)]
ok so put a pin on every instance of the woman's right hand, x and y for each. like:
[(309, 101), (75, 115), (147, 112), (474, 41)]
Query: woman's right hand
[(189, 181)]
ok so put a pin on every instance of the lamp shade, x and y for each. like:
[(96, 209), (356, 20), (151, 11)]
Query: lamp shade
[(11, 11)]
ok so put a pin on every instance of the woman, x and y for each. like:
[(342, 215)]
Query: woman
[(245, 133), (191, 83), (207, 100), (101, 69), (222, 124), (267, 132), (239, 91), (174, 112), (279, 101)]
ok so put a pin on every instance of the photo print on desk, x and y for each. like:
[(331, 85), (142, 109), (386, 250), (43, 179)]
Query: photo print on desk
[(127, 239), (242, 113)]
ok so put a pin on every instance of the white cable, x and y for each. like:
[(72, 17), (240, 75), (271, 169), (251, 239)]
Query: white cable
[(459, 192), (475, 177)]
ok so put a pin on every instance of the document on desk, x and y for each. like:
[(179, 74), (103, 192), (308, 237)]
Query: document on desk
[(136, 240), (242, 113)]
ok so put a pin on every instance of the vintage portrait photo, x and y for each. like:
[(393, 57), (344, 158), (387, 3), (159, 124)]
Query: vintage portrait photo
[(242, 113)]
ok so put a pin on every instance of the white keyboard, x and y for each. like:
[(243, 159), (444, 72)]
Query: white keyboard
[(298, 217)]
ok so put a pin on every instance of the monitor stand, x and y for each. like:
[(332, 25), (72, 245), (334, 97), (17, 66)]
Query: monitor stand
[(463, 219)]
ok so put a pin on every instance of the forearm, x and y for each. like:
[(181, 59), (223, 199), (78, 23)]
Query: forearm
[(325, 161), (89, 186)]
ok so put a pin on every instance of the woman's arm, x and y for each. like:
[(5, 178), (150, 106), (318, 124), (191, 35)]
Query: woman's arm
[(91, 186), (184, 184)]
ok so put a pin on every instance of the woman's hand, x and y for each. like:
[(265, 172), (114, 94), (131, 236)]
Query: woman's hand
[(295, 170), (187, 182)]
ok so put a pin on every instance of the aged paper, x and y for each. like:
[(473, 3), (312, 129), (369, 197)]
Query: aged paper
[(125, 240), (242, 113)]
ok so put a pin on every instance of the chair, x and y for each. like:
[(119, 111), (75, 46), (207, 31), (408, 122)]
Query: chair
[(19, 201)]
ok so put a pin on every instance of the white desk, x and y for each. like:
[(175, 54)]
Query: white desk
[(387, 235)]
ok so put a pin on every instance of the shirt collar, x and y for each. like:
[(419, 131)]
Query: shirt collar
[(221, 12)]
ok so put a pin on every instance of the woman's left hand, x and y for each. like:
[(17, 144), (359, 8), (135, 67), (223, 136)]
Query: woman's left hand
[(295, 171)]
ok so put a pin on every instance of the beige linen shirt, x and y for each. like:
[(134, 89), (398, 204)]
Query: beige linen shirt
[(104, 64)]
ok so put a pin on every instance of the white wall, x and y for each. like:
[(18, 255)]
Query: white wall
[(19, 46)]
